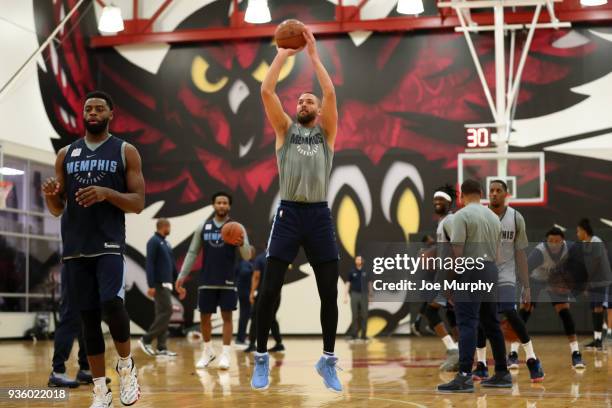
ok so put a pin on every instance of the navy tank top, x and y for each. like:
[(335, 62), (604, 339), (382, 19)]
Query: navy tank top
[(220, 259), (100, 228)]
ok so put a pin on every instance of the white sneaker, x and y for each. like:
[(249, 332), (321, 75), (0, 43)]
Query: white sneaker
[(146, 348), (224, 361), (101, 399), (129, 390), (207, 357)]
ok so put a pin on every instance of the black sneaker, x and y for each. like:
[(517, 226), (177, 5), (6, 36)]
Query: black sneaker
[(61, 380), (481, 372), (278, 348), (577, 360), (595, 345), (252, 348), (462, 383), (536, 373), (513, 360), (85, 377), (501, 379)]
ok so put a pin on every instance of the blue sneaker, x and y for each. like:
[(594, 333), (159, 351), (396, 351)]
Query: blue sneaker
[(577, 360), (513, 360), (326, 367), (261, 380), (481, 372), (535, 370)]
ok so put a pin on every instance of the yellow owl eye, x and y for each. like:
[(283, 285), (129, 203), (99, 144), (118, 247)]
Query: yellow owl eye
[(408, 213), (199, 67), (261, 71)]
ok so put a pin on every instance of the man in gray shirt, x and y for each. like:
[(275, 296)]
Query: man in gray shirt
[(475, 235), (304, 151)]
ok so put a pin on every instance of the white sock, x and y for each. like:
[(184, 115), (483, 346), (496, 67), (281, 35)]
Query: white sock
[(574, 346), (449, 342), (227, 349), (125, 362), (609, 332), (327, 354), (258, 354), (597, 335), (528, 347), (481, 355), (514, 346), (101, 382), (208, 345)]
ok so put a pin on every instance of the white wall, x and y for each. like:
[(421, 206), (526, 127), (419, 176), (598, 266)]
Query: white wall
[(22, 114)]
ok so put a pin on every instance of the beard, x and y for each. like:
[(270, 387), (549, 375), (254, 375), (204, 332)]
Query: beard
[(441, 210), (306, 118), (96, 128), (221, 213)]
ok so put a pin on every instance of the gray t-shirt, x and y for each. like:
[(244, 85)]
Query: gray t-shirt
[(479, 228), (513, 238), (304, 165)]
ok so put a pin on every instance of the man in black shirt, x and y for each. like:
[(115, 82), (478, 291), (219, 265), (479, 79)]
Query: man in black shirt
[(161, 269), (359, 287)]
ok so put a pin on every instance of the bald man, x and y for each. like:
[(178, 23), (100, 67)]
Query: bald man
[(161, 270)]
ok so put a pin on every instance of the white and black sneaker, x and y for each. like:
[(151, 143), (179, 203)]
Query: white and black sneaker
[(166, 353), (129, 390), (102, 399), (146, 348), (208, 355)]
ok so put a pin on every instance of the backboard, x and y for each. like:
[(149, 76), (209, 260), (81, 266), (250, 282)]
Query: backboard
[(524, 173)]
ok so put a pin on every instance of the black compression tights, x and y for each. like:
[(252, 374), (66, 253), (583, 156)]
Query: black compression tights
[(326, 275)]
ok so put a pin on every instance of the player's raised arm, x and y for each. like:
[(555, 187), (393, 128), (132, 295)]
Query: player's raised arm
[(329, 109), (279, 120)]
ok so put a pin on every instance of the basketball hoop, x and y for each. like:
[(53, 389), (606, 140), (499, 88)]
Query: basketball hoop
[(5, 190)]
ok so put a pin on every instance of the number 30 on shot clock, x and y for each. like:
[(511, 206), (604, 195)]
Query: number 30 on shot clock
[(478, 138)]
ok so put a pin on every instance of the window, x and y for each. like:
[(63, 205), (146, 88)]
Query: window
[(29, 241)]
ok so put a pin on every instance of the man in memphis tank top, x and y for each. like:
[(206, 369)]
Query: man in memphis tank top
[(97, 180)]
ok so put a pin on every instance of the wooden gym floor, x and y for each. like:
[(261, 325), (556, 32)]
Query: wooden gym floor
[(390, 372)]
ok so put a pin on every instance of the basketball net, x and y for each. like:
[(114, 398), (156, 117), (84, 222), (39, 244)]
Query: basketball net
[(5, 190)]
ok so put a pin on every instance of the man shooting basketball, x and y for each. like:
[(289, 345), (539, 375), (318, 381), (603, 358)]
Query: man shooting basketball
[(97, 180), (304, 151)]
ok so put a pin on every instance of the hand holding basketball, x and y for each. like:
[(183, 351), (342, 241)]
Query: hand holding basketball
[(311, 45), (232, 233), (288, 35)]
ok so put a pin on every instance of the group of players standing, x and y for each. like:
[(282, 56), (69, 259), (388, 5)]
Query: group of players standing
[(560, 268)]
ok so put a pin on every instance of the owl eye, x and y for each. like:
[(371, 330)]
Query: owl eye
[(260, 72), (349, 188), (397, 183), (199, 68)]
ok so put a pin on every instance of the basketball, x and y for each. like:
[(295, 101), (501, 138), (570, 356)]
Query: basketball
[(232, 233), (509, 333), (288, 34)]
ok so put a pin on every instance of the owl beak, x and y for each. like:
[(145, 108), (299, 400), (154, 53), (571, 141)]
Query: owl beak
[(237, 94)]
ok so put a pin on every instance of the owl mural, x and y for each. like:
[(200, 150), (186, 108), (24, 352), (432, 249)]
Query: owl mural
[(403, 99)]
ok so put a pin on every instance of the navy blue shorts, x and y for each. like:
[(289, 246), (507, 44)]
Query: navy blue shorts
[(539, 288), (94, 280), (598, 296), (506, 298), (210, 299), (309, 225)]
